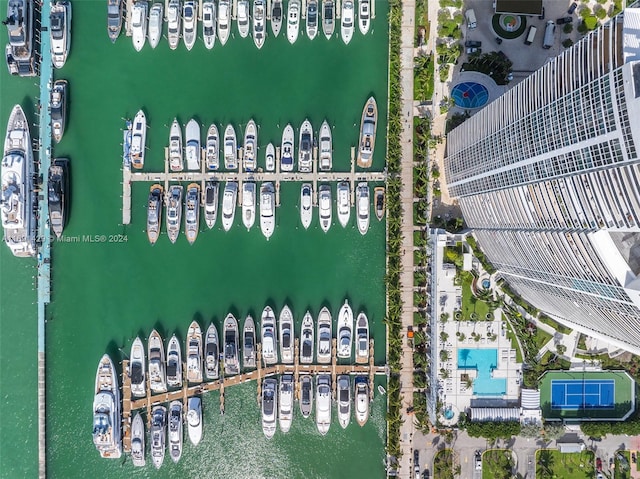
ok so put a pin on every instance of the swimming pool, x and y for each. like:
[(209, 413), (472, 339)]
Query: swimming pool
[(470, 94), (484, 361)]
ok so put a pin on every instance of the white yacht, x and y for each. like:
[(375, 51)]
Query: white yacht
[(231, 353), (276, 17), (324, 207), (248, 204), (194, 353), (230, 148), (174, 212), (250, 146), (137, 441), (306, 339), (378, 201), (270, 158), (242, 14), (323, 403), (343, 203), (224, 20), (249, 344), (194, 420), (363, 207), (174, 21), (306, 205), (192, 212), (192, 150), (364, 16), (137, 369), (293, 20), (286, 149), (174, 363), (268, 337), (328, 18), (189, 23), (346, 26), (306, 395), (269, 407), (229, 198), (325, 336), (258, 23), (211, 203), (138, 140), (175, 430), (58, 107), (286, 335), (362, 338), (305, 147), (158, 434), (344, 400), (176, 162), (285, 402), (139, 24), (106, 411), (361, 400), (326, 147), (60, 31), (211, 353), (345, 331), (312, 19), (157, 375), (212, 148), (155, 24), (267, 209), (367, 133), (209, 24)]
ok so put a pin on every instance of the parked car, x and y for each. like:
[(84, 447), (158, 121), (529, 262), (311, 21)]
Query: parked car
[(478, 461), (634, 459), (472, 43), (563, 20), (572, 8), (471, 51), (599, 465)]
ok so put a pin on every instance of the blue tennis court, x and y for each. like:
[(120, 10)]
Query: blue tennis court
[(583, 394)]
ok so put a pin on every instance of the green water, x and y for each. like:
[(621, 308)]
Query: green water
[(104, 294)]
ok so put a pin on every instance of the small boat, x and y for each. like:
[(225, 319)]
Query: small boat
[(155, 24), (269, 407), (192, 212), (158, 434), (305, 157), (286, 335), (192, 148), (306, 395), (174, 212), (368, 133), (364, 16), (127, 133), (138, 139), (306, 339), (211, 203), (323, 403), (242, 13), (209, 24), (189, 23), (174, 363), (137, 441), (175, 430), (346, 27), (328, 18), (60, 31), (362, 338), (326, 147), (157, 375), (58, 109), (258, 23), (224, 20), (249, 344), (306, 205), (345, 331), (230, 148), (270, 157), (324, 336), (211, 353), (176, 162), (194, 353), (268, 337), (248, 204), (174, 21), (57, 195), (285, 402), (194, 420), (231, 356), (114, 19), (293, 20), (361, 399), (286, 154), (267, 209), (363, 206), (378, 195), (139, 24), (229, 198), (250, 146), (137, 369), (381, 390), (154, 212), (212, 148), (276, 17), (324, 203), (312, 19), (106, 411), (344, 400), (343, 203)]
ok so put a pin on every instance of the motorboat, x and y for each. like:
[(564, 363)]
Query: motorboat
[(138, 139), (106, 411), (137, 369), (175, 430), (248, 204), (362, 338), (192, 212), (306, 395), (324, 206), (157, 375), (224, 20), (268, 337), (242, 14), (305, 154), (363, 206), (174, 212), (368, 133), (324, 336), (58, 107), (231, 355), (211, 203), (174, 363), (155, 24), (344, 400), (212, 148), (189, 23), (312, 19), (127, 133), (361, 399), (230, 148), (114, 19), (57, 194), (306, 339), (328, 18), (249, 344), (192, 150), (364, 16), (258, 23), (378, 195), (293, 20), (286, 150), (326, 147), (194, 353), (139, 24), (267, 209), (229, 198), (323, 403), (250, 146), (174, 22), (345, 331), (154, 212), (211, 353), (343, 203), (209, 24), (176, 162), (270, 157), (60, 31), (20, 29), (137, 441), (286, 335), (276, 17), (158, 434), (285, 402), (269, 407), (194, 420), (306, 205), (346, 26)]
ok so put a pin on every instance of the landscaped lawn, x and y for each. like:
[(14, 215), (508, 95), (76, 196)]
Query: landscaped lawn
[(542, 338), (622, 467), (551, 464), (497, 464), (471, 304), (514, 344), (443, 464)]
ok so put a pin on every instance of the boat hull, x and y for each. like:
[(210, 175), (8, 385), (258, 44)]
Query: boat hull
[(293, 20), (326, 147), (267, 209), (231, 355), (230, 148), (174, 23), (137, 369), (229, 198), (137, 441), (287, 149), (139, 24), (209, 24), (211, 353), (192, 212), (346, 24), (323, 403), (58, 109), (345, 331), (174, 363), (211, 204), (194, 420), (157, 372), (363, 207), (189, 23), (60, 32), (57, 195), (138, 140), (306, 205), (268, 337), (305, 147), (158, 435), (306, 339), (174, 212), (212, 152), (175, 430), (154, 213), (249, 343), (106, 411), (324, 336), (224, 21), (250, 146), (248, 204), (368, 133), (194, 353), (155, 24), (276, 17), (344, 203), (269, 407), (176, 159)]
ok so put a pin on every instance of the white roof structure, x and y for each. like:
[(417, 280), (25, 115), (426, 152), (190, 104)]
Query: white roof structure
[(496, 414), (530, 399), (630, 38)]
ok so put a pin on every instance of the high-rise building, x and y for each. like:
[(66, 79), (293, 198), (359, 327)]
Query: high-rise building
[(548, 177)]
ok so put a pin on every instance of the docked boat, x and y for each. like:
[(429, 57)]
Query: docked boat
[(137, 369), (305, 156), (114, 19), (209, 24), (324, 207), (137, 441), (285, 402), (230, 148), (57, 195), (344, 400), (378, 195), (343, 203), (312, 19), (154, 212), (248, 204), (293, 20), (155, 24), (364, 16), (306, 205), (242, 13), (231, 355), (174, 212), (229, 198), (324, 336), (286, 150), (276, 17), (250, 146), (157, 375), (368, 133), (60, 30), (258, 23), (286, 335), (158, 434), (175, 430), (361, 400), (306, 339), (58, 107), (194, 420), (127, 133), (323, 403), (176, 162), (270, 157), (106, 411), (345, 331), (211, 353), (267, 209), (269, 407), (194, 353), (362, 338), (174, 22), (138, 139), (249, 344), (212, 148), (346, 26), (326, 147), (268, 337), (139, 24), (211, 203), (192, 212), (189, 23), (328, 18), (363, 207), (224, 20), (306, 395), (174, 363), (192, 148)]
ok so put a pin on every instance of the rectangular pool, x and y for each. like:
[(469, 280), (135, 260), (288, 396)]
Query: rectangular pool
[(484, 361)]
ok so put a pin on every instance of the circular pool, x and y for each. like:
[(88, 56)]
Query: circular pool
[(470, 95), (448, 413), (486, 283)]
